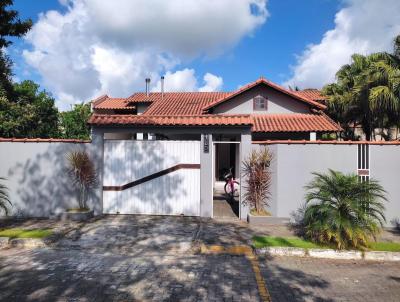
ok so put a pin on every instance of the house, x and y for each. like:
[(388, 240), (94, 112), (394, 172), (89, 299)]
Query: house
[(164, 152)]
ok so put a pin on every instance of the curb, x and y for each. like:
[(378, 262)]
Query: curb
[(329, 254), (6, 242)]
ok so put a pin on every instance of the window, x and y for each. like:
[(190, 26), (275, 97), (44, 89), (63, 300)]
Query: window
[(260, 103)]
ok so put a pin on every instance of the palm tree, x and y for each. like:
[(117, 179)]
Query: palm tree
[(367, 92), (4, 198), (343, 211)]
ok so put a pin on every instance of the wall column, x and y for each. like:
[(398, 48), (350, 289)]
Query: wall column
[(245, 151), (96, 152), (206, 176)]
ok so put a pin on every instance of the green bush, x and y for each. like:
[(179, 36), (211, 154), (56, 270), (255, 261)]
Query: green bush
[(342, 211)]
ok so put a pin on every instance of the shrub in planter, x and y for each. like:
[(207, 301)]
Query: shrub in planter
[(257, 175), (83, 174), (343, 211)]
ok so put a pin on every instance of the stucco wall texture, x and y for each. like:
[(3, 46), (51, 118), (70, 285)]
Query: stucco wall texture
[(40, 187), (294, 164), (37, 177)]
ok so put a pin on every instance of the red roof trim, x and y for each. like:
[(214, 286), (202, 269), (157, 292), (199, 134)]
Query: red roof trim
[(319, 142), (260, 122), (161, 120), (42, 140), (270, 84)]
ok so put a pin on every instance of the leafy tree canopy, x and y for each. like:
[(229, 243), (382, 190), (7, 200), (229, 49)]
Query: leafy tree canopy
[(73, 124), (33, 114), (367, 94), (10, 26)]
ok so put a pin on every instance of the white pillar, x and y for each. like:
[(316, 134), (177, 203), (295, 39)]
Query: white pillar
[(313, 136), (96, 152), (206, 176), (245, 150)]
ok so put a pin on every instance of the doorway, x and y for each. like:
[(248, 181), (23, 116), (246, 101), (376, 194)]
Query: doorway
[(226, 158)]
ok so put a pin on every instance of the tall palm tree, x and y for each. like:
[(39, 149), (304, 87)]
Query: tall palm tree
[(367, 92), (4, 198)]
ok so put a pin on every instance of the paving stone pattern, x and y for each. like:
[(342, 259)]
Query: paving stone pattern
[(144, 258), (60, 275), (307, 279)]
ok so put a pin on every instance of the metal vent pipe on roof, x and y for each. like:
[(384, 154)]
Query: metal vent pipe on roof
[(147, 86), (162, 87)]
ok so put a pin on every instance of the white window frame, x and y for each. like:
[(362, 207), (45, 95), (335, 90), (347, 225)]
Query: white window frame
[(256, 104)]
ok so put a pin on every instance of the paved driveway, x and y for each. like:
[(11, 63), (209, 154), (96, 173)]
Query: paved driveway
[(139, 258)]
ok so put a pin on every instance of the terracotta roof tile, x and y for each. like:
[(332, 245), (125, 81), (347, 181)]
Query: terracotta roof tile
[(260, 123), (293, 123), (182, 103), (112, 103), (313, 94), (201, 120)]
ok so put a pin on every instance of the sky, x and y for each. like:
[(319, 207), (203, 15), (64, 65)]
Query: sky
[(80, 49)]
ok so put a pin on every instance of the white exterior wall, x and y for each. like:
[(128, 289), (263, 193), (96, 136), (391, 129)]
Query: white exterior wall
[(278, 102), (294, 164), (37, 178), (385, 167)]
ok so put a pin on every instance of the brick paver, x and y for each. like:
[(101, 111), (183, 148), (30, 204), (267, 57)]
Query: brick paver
[(60, 275), (143, 258), (308, 279)]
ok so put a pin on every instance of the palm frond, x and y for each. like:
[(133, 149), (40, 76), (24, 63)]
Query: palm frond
[(342, 211), (5, 202)]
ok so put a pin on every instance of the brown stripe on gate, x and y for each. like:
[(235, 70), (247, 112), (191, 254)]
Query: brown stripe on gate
[(151, 177)]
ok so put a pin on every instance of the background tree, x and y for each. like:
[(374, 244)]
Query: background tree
[(73, 124), (32, 114), (367, 94), (10, 26)]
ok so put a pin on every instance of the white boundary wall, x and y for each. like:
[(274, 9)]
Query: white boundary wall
[(37, 177), (294, 163)]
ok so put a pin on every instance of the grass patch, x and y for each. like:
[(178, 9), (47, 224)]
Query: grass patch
[(385, 246), (268, 241), (78, 210), (21, 233)]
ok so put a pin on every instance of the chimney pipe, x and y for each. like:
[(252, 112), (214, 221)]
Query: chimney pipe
[(147, 86), (162, 87)]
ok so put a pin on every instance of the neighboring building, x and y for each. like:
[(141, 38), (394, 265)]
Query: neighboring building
[(150, 135)]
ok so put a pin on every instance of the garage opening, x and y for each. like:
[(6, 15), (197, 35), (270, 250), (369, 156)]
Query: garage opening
[(226, 166)]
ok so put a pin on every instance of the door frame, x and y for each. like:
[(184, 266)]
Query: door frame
[(214, 158)]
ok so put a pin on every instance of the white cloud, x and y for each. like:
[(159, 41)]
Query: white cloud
[(109, 47), (212, 83), (186, 80), (361, 26)]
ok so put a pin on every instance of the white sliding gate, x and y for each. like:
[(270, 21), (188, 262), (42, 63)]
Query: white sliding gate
[(151, 177)]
